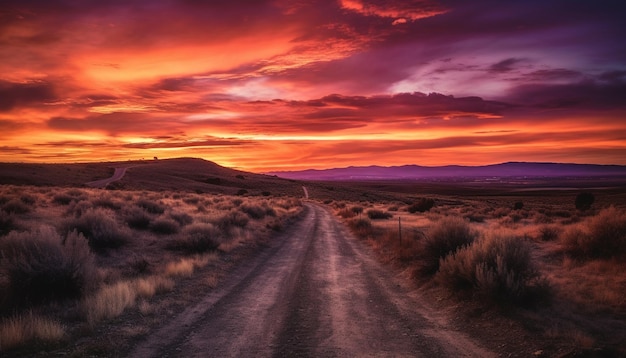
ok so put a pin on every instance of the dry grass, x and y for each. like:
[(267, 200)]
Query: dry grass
[(185, 267), (148, 287), (29, 328), (109, 301)]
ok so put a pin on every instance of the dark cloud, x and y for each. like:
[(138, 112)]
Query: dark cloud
[(506, 65), (208, 142), (116, 123), (584, 95), (21, 94), (14, 150)]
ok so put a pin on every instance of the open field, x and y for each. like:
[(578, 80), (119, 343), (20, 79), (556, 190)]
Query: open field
[(514, 255), (77, 261), (96, 272)]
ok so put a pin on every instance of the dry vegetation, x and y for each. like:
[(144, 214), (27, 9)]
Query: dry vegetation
[(557, 264), (74, 259)]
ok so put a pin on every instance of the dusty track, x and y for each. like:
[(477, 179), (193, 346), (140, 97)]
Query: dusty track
[(117, 175), (315, 293)]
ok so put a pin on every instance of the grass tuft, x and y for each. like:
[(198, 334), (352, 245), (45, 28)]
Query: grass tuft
[(109, 301), (22, 330)]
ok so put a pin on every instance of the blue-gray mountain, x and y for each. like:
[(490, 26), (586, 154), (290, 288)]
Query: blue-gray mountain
[(503, 170)]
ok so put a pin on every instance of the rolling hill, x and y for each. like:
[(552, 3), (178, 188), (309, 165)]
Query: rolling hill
[(180, 174)]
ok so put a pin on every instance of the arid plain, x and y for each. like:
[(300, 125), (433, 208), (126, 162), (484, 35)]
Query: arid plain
[(507, 268)]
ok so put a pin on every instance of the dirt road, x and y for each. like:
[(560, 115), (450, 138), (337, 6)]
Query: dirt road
[(117, 175), (315, 293)]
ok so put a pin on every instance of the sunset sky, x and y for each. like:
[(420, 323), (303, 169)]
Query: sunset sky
[(296, 84)]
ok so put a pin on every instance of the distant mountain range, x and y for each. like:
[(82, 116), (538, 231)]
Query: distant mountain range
[(416, 172)]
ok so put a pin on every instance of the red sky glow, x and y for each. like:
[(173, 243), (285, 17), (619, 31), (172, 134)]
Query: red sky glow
[(285, 85)]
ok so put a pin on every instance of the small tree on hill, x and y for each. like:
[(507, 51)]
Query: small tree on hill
[(584, 201)]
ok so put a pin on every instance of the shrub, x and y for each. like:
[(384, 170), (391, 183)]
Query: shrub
[(181, 218), (77, 209), (151, 206), (362, 227), (232, 219), (602, 236), (266, 193), (7, 223), (518, 205), (242, 192), (28, 199), (258, 211), (40, 266), (549, 233), (253, 211), (107, 203), (164, 226), (357, 210), (445, 237), (375, 214), (100, 229), (584, 201), (421, 205), (137, 218), (62, 199), (346, 213), (498, 269), (192, 200), (237, 202), (196, 238), (16, 206)]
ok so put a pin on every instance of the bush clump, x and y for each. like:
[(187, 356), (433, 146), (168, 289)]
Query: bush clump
[(196, 238), (444, 238), (362, 227), (346, 213), (40, 267), (181, 218), (601, 236), (584, 201), (376, 214), (16, 206), (549, 233), (150, 206), (498, 269), (137, 218), (421, 205), (357, 210), (258, 212), (100, 229), (63, 199), (164, 226), (7, 223), (232, 219)]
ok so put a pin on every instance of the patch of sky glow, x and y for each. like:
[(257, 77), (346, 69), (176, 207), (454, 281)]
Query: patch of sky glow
[(126, 108), (255, 89), (212, 115)]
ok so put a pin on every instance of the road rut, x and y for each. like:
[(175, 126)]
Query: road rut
[(316, 292)]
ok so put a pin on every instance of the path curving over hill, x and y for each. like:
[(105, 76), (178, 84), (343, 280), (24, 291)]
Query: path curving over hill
[(102, 183)]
